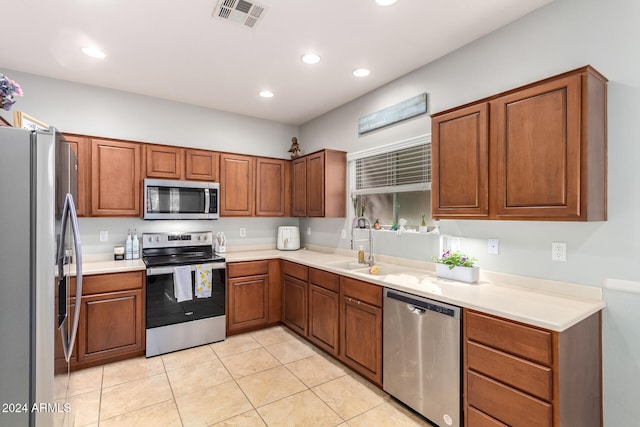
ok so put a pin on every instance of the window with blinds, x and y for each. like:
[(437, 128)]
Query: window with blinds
[(406, 169)]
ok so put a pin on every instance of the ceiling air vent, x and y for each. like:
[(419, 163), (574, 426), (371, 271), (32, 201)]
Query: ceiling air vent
[(240, 11)]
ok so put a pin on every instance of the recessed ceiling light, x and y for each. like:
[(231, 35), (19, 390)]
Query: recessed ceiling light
[(310, 58), (361, 72), (266, 94), (386, 2), (93, 52)]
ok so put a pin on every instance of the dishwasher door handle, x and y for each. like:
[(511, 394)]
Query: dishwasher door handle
[(416, 310)]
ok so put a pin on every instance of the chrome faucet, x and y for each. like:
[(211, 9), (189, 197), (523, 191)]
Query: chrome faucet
[(370, 260)]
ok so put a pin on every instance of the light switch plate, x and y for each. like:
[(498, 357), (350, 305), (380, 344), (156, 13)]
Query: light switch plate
[(343, 234), (558, 251), (493, 247), (243, 232), (104, 236)]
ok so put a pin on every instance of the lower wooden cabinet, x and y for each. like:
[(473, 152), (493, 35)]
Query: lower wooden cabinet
[(111, 325), (294, 296), (253, 295), (361, 327), (522, 376), (324, 309)]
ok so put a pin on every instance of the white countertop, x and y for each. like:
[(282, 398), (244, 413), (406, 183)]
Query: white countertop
[(547, 304)]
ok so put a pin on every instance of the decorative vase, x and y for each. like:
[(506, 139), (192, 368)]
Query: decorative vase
[(423, 229), (461, 274)]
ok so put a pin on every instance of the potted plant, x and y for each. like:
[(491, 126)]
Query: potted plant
[(423, 224), (457, 266)]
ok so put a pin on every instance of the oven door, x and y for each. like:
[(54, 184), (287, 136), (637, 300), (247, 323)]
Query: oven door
[(163, 308)]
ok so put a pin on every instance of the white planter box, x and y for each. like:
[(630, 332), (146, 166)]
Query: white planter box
[(461, 274)]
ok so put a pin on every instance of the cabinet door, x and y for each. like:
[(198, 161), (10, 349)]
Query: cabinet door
[(236, 182), (294, 304), (323, 318), (110, 325), (538, 160), (271, 187), (248, 302), (299, 187), (163, 161), (115, 178), (202, 165), (460, 168), (315, 184), (82, 149), (361, 338)]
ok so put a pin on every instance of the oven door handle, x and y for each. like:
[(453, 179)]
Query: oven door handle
[(158, 271)]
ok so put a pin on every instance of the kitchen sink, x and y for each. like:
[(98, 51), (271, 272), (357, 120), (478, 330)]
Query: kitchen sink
[(356, 267), (348, 265)]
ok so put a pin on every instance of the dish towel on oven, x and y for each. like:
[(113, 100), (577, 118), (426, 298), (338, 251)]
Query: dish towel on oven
[(203, 280), (182, 285)]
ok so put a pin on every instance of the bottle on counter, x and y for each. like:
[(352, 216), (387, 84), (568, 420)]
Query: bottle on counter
[(360, 254), (135, 245), (128, 246)]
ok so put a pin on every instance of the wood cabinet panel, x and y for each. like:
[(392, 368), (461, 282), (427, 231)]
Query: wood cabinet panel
[(272, 187), (247, 268), (324, 309), (163, 161), (115, 178), (237, 185), (477, 418), (202, 165), (521, 374), (461, 142), (521, 340), (248, 302), (82, 149), (324, 279), (299, 187), (295, 270), (363, 291), (111, 324), (506, 404), (275, 291), (315, 184), (111, 282), (361, 338), (294, 304)]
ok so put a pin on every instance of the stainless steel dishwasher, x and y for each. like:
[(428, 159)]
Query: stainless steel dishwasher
[(421, 356)]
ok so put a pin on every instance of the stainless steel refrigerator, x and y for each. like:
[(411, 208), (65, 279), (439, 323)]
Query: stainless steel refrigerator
[(39, 248)]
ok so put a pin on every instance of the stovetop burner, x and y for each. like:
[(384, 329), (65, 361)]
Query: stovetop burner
[(174, 249)]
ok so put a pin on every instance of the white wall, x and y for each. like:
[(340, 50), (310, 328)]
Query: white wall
[(561, 36)]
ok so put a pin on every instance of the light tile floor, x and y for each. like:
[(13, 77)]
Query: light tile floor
[(269, 377)]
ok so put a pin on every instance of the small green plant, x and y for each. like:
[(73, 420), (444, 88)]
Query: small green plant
[(454, 259), (423, 223)]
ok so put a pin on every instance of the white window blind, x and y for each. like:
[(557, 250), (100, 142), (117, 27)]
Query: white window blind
[(405, 169)]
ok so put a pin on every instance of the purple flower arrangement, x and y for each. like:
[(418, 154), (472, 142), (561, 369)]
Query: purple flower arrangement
[(455, 259), (8, 90)]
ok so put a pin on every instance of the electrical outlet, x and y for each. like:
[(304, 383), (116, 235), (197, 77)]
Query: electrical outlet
[(343, 234), (308, 231), (493, 247), (558, 251), (243, 232), (104, 236)]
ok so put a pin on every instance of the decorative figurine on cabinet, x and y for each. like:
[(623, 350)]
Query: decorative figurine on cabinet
[(295, 148)]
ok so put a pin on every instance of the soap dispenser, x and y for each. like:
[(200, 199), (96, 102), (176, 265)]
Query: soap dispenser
[(135, 245), (128, 246), (360, 254)]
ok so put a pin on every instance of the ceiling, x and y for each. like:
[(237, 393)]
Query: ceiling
[(179, 51)]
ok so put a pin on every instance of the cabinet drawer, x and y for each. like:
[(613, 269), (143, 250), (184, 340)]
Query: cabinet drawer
[(518, 373), (324, 279), (295, 270), (247, 268), (476, 418), (113, 282), (506, 404), (361, 291), (524, 341)]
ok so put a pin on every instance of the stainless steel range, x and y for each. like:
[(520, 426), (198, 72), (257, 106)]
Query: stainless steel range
[(185, 293)]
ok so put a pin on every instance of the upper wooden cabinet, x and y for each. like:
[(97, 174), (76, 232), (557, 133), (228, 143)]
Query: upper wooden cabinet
[(82, 149), (538, 152), (167, 162), (319, 184), (272, 187), (237, 185), (202, 165), (162, 161), (115, 178)]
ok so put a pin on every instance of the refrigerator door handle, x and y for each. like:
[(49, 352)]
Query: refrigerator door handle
[(69, 211)]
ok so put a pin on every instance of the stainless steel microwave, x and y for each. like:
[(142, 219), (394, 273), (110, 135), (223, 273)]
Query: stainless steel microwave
[(172, 199)]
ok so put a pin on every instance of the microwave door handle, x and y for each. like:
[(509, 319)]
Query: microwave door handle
[(207, 200)]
